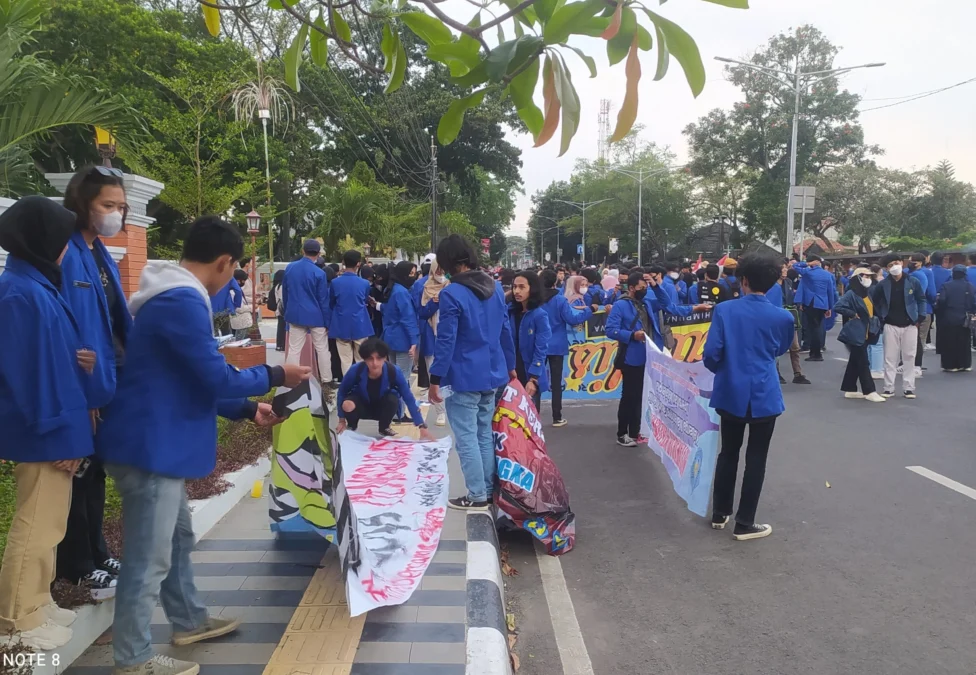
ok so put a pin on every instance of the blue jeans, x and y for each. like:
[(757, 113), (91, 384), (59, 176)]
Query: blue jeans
[(469, 413), (876, 355), (157, 537)]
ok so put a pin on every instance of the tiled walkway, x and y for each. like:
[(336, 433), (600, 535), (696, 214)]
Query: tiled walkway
[(291, 599)]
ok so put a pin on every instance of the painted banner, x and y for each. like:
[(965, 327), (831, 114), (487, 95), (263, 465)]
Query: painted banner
[(392, 500), (680, 426), (588, 370), (531, 493), (690, 333), (301, 463)]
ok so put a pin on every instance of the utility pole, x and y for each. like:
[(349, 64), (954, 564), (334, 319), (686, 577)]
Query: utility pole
[(639, 176), (433, 194), (582, 206)]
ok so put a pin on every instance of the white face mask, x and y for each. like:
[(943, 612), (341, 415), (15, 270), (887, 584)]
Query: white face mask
[(865, 281), (895, 270), (107, 225), (583, 289), (673, 275), (439, 278)]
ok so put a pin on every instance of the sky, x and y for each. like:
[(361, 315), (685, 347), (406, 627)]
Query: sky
[(925, 45)]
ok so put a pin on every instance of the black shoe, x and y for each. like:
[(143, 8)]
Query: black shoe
[(112, 566), (909, 394), (465, 504), (799, 379), (782, 380), (754, 531), (387, 432), (719, 522), (814, 358)]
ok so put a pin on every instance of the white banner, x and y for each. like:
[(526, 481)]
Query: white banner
[(392, 499)]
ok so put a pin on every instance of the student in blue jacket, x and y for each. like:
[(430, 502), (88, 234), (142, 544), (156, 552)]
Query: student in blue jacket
[(528, 322), (428, 306), (818, 295), (900, 304), (348, 300), (561, 317), (594, 296), (926, 280), (224, 305), (674, 280), (744, 341), (43, 414), (425, 347), (373, 390), (305, 295), (161, 429), (400, 328), (472, 356), (92, 288)]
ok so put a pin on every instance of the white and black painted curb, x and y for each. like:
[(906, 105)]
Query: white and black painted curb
[(487, 643)]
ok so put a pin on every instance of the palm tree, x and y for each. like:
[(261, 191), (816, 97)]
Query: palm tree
[(268, 97), (35, 99)]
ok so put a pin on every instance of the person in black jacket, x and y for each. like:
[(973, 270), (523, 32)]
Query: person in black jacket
[(954, 308)]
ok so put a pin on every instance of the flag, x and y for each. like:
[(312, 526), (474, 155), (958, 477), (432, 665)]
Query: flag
[(697, 265), (721, 262)]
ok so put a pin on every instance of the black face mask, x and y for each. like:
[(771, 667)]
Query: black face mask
[(639, 295)]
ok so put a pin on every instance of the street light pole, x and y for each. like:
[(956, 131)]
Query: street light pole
[(798, 81), (582, 206), (639, 176)]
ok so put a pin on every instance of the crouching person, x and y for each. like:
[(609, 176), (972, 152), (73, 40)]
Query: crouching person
[(372, 390), (161, 429)]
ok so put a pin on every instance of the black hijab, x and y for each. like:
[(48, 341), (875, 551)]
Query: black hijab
[(36, 230), (330, 273), (401, 273)]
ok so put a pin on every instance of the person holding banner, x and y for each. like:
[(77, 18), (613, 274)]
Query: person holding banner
[(743, 344), (529, 325), (629, 324)]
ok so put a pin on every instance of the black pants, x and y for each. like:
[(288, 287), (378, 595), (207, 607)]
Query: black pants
[(83, 548), (336, 361), (858, 368), (423, 377), (733, 433), (281, 338), (631, 396), (815, 318), (382, 410), (955, 347), (556, 383)]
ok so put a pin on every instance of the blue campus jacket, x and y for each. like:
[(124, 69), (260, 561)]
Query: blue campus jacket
[(474, 342), (927, 280), (82, 289), (561, 315), (680, 289), (426, 346), (305, 295), (743, 343), (671, 306), (43, 408), (400, 328), (355, 382), (163, 419), (595, 296), (620, 325), (228, 298), (534, 335), (818, 288), (914, 298), (347, 305), (940, 275)]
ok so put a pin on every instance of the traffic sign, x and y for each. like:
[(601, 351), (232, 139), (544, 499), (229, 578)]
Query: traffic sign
[(613, 245), (579, 249)]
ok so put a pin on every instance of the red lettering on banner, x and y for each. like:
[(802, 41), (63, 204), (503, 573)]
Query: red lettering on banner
[(433, 523), (370, 587), (673, 446), (380, 479)]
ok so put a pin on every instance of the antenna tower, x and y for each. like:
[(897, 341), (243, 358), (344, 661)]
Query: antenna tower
[(603, 124)]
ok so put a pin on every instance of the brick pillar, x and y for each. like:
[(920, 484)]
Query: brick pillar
[(128, 247)]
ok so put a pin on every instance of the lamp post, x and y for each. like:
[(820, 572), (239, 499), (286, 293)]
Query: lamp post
[(582, 206), (557, 233), (105, 142), (253, 228), (798, 81), (366, 250), (542, 247), (639, 176)]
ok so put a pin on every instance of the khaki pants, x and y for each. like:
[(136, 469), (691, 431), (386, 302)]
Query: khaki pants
[(349, 352), (320, 341), (39, 523)]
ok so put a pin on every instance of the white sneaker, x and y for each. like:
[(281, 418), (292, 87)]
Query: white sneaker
[(626, 441), (441, 420), (877, 375), (45, 637), (853, 394), (918, 372), (875, 397), (930, 347), (59, 615), (160, 665)]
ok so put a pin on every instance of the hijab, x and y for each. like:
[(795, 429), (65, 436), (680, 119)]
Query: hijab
[(401, 274), (432, 291), (36, 230), (959, 272), (860, 290), (366, 272), (572, 288), (279, 276), (330, 273), (611, 280)]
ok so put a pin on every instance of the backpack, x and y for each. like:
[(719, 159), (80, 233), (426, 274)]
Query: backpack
[(711, 291), (735, 289)]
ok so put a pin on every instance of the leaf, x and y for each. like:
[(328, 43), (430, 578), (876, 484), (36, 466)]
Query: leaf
[(399, 68), (211, 16), (544, 9), (510, 622), (318, 43), (501, 33), (569, 101), (518, 29), (516, 664), (527, 16), (456, 56), (588, 60), (388, 47), (477, 75), (734, 4), (682, 46), (450, 123), (628, 111), (512, 639), (614, 26), (663, 56), (619, 46), (827, 482), (341, 27), (644, 40), (293, 58), (566, 19), (428, 28), (499, 58), (521, 90), (550, 105), (593, 26)]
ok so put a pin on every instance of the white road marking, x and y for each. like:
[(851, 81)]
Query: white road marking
[(565, 626), (942, 480)]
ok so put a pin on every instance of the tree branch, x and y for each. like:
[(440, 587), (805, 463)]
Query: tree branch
[(467, 30), (507, 15)]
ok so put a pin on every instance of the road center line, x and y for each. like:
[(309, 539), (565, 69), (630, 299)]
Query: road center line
[(942, 480), (565, 626)]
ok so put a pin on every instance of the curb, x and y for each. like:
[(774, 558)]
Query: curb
[(487, 639), (93, 620)]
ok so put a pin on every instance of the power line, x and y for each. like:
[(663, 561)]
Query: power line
[(921, 96)]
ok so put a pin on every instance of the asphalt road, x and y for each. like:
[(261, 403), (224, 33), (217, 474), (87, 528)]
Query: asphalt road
[(874, 575)]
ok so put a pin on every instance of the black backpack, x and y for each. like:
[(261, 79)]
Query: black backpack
[(735, 289)]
